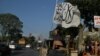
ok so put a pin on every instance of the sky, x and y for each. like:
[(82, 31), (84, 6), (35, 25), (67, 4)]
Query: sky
[(36, 15)]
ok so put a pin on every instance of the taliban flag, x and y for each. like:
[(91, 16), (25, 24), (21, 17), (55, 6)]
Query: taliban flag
[(67, 15)]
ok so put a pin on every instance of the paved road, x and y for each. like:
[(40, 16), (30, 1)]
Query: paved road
[(56, 53), (25, 52), (31, 52)]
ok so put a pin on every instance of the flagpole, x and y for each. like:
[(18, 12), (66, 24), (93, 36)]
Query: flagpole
[(54, 12), (55, 9)]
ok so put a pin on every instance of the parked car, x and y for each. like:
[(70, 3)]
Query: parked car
[(5, 50), (28, 46), (15, 46), (12, 46)]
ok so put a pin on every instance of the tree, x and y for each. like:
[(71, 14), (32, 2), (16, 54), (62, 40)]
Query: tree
[(87, 40), (88, 9), (31, 39), (10, 24)]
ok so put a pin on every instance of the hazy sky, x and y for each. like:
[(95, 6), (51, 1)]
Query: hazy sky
[(36, 15)]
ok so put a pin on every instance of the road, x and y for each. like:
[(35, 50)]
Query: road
[(31, 52), (56, 53), (25, 52)]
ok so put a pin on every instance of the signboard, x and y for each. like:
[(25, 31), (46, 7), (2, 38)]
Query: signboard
[(97, 21), (67, 15)]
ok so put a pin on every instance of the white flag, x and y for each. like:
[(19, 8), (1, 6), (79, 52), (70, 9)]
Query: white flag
[(71, 16), (58, 14), (67, 15)]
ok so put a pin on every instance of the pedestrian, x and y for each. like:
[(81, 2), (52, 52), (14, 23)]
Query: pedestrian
[(43, 51), (99, 49), (84, 53), (93, 50), (57, 40)]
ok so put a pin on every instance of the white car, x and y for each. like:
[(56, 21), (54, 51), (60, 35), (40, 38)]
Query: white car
[(28, 46), (11, 46), (38, 48)]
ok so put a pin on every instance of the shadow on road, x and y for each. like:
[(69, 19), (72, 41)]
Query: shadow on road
[(17, 52)]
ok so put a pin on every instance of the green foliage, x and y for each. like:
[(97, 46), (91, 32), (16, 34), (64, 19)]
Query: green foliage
[(87, 40), (10, 24), (31, 39)]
